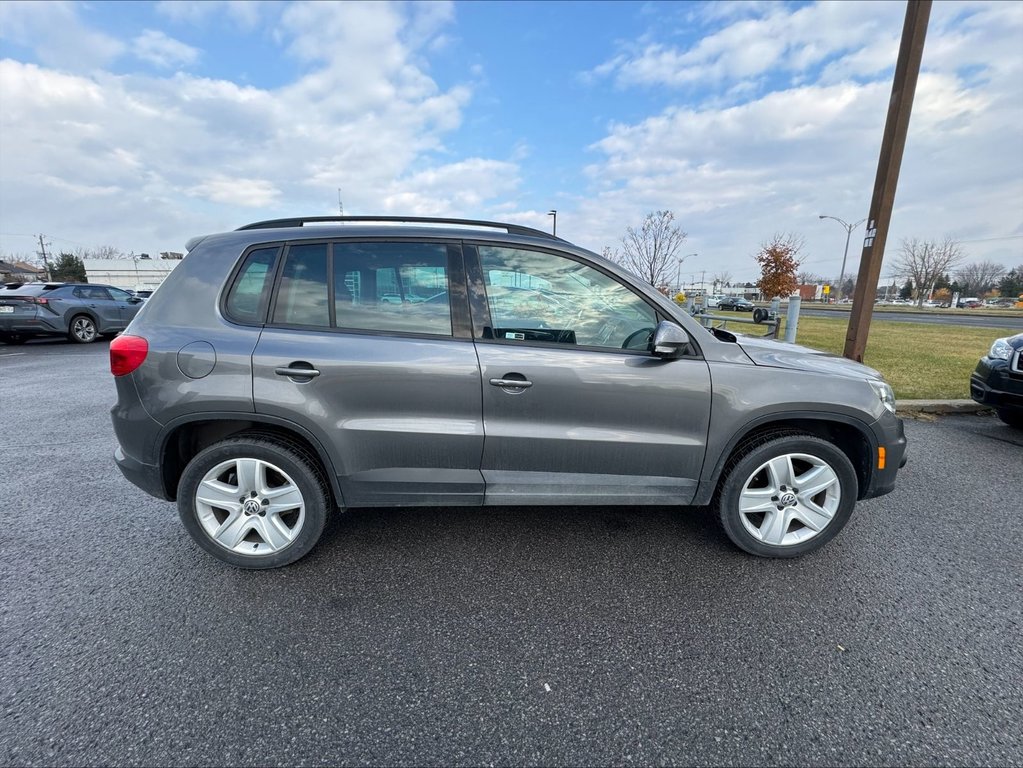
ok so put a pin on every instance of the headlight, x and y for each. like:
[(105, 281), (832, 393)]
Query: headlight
[(1000, 350), (884, 393)]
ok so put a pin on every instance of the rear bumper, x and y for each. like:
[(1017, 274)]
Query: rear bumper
[(14, 323), (146, 476)]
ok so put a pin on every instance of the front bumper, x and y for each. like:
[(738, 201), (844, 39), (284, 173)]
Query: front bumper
[(891, 435), (994, 383)]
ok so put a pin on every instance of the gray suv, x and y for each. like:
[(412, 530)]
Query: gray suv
[(285, 370)]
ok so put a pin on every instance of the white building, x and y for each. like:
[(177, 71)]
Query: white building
[(133, 274)]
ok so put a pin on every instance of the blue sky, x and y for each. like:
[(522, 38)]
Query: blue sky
[(139, 125)]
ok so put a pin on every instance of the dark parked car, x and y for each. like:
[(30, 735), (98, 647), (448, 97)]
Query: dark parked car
[(80, 311), (266, 384), (736, 304), (998, 379)]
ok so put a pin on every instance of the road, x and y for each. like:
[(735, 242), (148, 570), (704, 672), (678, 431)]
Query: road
[(523, 635), (961, 318)]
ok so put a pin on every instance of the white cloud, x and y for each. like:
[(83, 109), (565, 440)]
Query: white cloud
[(245, 14), (56, 35), (765, 38), (150, 161), (771, 160), (157, 48), (244, 193)]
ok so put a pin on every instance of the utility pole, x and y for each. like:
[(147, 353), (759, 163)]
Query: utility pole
[(900, 106), (848, 234), (554, 213), (42, 252), (340, 207)]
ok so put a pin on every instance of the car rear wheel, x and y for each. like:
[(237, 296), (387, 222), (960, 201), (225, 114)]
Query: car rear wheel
[(1012, 418), (13, 338), (82, 329), (786, 494), (254, 501)]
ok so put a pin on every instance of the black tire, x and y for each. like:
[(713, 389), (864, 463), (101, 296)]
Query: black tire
[(1012, 418), (293, 460), (82, 329), (745, 462), (13, 338), (759, 315)]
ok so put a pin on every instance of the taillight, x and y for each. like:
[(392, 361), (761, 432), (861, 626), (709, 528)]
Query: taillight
[(127, 353)]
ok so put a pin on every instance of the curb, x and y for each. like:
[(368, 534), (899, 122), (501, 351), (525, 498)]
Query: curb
[(917, 407)]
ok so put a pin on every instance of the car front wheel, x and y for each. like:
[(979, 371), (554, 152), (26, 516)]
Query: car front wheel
[(784, 495), (254, 501), (1012, 418)]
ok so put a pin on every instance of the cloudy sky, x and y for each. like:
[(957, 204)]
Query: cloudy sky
[(139, 125)]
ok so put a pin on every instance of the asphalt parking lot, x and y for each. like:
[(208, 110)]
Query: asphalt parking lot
[(575, 636)]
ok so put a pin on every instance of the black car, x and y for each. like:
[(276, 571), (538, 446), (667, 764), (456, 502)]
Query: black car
[(80, 311), (736, 304), (998, 379)]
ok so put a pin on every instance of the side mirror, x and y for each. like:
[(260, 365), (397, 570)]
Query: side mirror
[(670, 341), (134, 300)]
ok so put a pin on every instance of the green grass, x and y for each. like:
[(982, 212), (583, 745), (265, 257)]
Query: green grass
[(920, 361)]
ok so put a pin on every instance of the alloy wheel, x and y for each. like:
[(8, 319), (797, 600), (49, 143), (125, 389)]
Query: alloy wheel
[(250, 507), (790, 499)]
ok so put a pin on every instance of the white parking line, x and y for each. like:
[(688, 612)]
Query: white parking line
[(11, 354)]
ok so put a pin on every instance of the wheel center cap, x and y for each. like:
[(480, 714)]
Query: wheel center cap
[(788, 500), (251, 507)]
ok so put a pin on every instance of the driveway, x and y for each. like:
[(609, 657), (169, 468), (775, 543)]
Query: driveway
[(522, 635)]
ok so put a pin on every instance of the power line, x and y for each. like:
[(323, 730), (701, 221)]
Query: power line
[(989, 239)]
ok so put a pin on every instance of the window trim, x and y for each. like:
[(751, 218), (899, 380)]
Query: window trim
[(234, 276), (454, 254)]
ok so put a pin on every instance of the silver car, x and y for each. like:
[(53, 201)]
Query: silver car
[(268, 383)]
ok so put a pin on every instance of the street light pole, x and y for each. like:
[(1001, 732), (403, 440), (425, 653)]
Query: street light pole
[(554, 213), (848, 233)]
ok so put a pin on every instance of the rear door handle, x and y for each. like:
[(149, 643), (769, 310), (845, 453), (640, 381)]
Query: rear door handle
[(296, 372), (512, 383)]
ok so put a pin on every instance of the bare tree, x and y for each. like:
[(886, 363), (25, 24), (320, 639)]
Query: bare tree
[(980, 277), (103, 252), (722, 279), (809, 278), (925, 261), (651, 252)]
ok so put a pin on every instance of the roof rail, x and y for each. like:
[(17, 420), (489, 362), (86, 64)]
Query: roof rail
[(511, 229)]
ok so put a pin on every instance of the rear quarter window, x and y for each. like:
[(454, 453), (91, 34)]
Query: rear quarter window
[(248, 296)]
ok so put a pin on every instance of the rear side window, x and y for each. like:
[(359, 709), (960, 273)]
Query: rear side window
[(302, 298), (399, 287), (246, 301), (92, 293)]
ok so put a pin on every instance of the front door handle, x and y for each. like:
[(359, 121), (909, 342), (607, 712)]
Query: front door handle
[(512, 383), (297, 371)]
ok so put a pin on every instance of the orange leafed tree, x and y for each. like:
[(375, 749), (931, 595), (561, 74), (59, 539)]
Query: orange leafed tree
[(779, 263)]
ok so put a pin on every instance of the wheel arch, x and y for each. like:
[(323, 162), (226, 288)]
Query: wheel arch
[(181, 439), (75, 312), (852, 436)]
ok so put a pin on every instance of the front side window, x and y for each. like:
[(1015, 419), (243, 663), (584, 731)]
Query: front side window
[(392, 287), (118, 294), (536, 296)]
